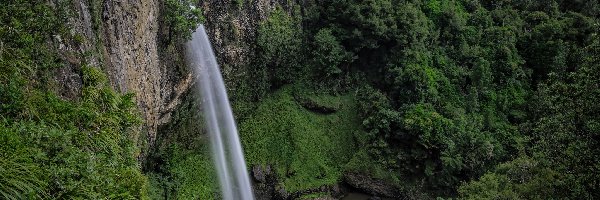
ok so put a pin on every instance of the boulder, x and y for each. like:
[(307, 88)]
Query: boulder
[(372, 186)]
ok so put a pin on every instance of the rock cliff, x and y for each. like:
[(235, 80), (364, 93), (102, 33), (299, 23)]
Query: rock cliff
[(123, 38), (232, 30), (126, 39), (232, 27)]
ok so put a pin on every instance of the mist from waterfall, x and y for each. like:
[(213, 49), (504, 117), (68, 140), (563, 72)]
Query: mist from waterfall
[(226, 148)]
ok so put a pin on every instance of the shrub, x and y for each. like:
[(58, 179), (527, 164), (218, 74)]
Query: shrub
[(279, 43), (182, 18)]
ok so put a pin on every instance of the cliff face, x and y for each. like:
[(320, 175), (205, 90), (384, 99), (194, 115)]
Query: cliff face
[(129, 34), (126, 39), (232, 28), (123, 38)]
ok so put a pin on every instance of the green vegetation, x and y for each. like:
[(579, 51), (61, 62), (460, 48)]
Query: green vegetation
[(181, 17), (497, 97), (473, 99), (279, 45), (307, 149), (180, 166), (51, 148), (190, 175)]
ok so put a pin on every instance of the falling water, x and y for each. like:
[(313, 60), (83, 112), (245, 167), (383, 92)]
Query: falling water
[(226, 147)]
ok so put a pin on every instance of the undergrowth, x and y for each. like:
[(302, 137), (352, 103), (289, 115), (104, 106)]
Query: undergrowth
[(180, 166), (307, 149), (189, 174), (52, 148)]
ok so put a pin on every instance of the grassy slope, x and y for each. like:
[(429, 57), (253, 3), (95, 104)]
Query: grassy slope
[(307, 149)]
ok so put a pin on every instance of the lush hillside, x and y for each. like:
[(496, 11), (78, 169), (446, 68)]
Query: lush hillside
[(477, 99), (307, 147)]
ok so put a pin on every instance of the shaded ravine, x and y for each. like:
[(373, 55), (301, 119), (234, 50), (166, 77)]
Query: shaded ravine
[(225, 143)]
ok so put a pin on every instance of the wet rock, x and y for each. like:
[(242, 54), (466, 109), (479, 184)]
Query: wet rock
[(263, 191), (265, 184), (281, 193), (315, 106), (372, 186), (337, 191), (324, 198), (260, 173)]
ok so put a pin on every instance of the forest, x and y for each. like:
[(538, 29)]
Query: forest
[(476, 99), (467, 99)]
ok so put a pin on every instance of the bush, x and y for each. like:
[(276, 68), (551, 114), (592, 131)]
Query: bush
[(279, 42), (329, 55), (306, 149), (182, 18)]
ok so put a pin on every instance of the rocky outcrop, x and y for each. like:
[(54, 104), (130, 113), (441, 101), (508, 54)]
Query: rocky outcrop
[(372, 186), (232, 28), (129, 32), (122, 37), (265, 182), (266, 186)]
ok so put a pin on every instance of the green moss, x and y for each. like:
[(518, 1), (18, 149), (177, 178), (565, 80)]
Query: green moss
[(315, 195), (307, 149), (363, 163), (239, 3)]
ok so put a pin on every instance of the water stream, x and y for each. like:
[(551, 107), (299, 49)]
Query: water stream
[(225, 142)]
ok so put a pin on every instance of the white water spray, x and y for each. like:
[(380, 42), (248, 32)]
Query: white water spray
[(225, 142)]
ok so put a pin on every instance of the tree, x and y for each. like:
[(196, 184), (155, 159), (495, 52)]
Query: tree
[(279, 49), (329, 55)]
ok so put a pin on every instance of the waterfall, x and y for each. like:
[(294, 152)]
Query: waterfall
[(225, 142)]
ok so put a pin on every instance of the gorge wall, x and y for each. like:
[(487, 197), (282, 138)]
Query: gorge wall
[(232, 28), (131, 41), (127, 38), (124, 39)]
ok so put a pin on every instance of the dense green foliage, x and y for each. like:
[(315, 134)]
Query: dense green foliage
[(181, 18), (308, 149), (476, 99), (499, 93), (186, 174), (279, 37), (564, 158), (51, 148)]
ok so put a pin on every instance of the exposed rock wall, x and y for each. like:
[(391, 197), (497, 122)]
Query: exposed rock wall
[(123, 38), (131, 42), (130, 30), (232, 28)]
